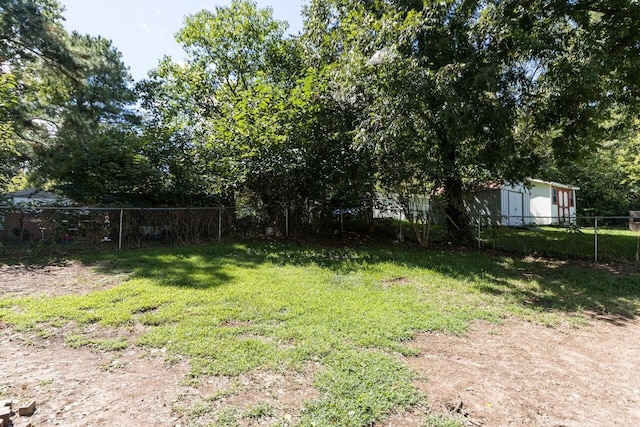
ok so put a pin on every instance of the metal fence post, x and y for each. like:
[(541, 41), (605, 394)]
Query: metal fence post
[(479, 233), (120, 231), (220, 224), (595, 243), (286, 220)]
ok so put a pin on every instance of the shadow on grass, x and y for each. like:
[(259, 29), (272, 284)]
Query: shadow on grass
[(563, 286), (572, 287), (559, 286), (613, 245), (200, 267)]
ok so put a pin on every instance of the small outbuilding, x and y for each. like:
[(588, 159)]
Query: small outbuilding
[(21, 218), (552, 202), (536, 202), (36, 197)]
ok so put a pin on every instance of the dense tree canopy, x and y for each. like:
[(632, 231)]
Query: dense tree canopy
[(93, 149), (249, 113), (30, 33), (66, 111), (459, 93), (400, 96)]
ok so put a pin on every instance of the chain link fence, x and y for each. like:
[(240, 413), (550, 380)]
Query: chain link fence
[(50, 231), (601, 239), (43, 231)]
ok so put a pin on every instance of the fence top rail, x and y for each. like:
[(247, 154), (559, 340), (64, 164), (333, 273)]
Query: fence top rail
[(553, 217), (93, 208)]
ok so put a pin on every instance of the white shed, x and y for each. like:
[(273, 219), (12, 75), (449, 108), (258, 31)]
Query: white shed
[(539, 202), (552, 202)]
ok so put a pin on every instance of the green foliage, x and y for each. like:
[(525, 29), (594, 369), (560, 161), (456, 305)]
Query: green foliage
[(608, 177), (31, 30), (95, 150), (438, 106), (404, 97), (66, 105), (227, 418), (246, 118), (76, 341), (454, 94), (30, 33), (442, 421), (262, 410), (358, 389)]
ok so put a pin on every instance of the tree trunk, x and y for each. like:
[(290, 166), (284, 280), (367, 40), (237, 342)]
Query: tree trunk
[(459, 229)]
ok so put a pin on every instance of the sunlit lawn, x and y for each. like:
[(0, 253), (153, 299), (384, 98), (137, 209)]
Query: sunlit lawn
[(612, 244), (233, 308)]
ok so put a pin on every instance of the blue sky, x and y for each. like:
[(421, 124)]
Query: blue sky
[(143, 30)]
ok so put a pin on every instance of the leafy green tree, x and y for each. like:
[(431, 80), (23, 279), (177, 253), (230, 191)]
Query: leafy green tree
[(32, 29), (30, 33), (608, 177), (438, 103), (174, 99), (92, 150), (459, 93), (247, 115), (241, 53)]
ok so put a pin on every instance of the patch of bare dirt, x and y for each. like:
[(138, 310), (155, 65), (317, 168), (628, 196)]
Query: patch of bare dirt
[(526, 374), (70, 277), (81, 386)]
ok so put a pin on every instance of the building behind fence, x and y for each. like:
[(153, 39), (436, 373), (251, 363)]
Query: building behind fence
[(107, 228), (30, 230)]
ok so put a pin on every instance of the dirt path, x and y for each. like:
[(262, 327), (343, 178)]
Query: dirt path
[(516, 374)]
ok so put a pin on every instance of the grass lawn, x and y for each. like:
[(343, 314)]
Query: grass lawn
[(233, 308), (613, 244)]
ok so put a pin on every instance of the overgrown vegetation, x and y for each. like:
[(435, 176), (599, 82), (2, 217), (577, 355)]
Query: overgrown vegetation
[(407, 98), (234, 308)]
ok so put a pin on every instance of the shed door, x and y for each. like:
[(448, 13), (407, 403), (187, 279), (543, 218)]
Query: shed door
[(515, 208), (564, 213)]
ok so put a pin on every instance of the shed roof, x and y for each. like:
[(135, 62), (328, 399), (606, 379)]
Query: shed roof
[(555, 184)]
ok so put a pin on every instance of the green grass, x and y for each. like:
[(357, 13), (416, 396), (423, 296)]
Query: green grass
[(234, 308), (613, 244)]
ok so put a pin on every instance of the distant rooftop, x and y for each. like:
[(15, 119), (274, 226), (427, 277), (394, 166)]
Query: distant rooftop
[(37, 195)]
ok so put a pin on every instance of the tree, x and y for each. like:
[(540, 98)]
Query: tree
[(241, 53), (92, 150), (249, 113), (460, 93), (174, 99), (608, 177), (438, 101), (30, 32), (32, 29), (207, 115)]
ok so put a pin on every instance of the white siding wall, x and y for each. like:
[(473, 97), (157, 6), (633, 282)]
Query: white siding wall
[(541, 208)]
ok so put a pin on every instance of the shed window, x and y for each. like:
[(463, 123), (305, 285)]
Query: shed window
[(554, 196), (572, 201)]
